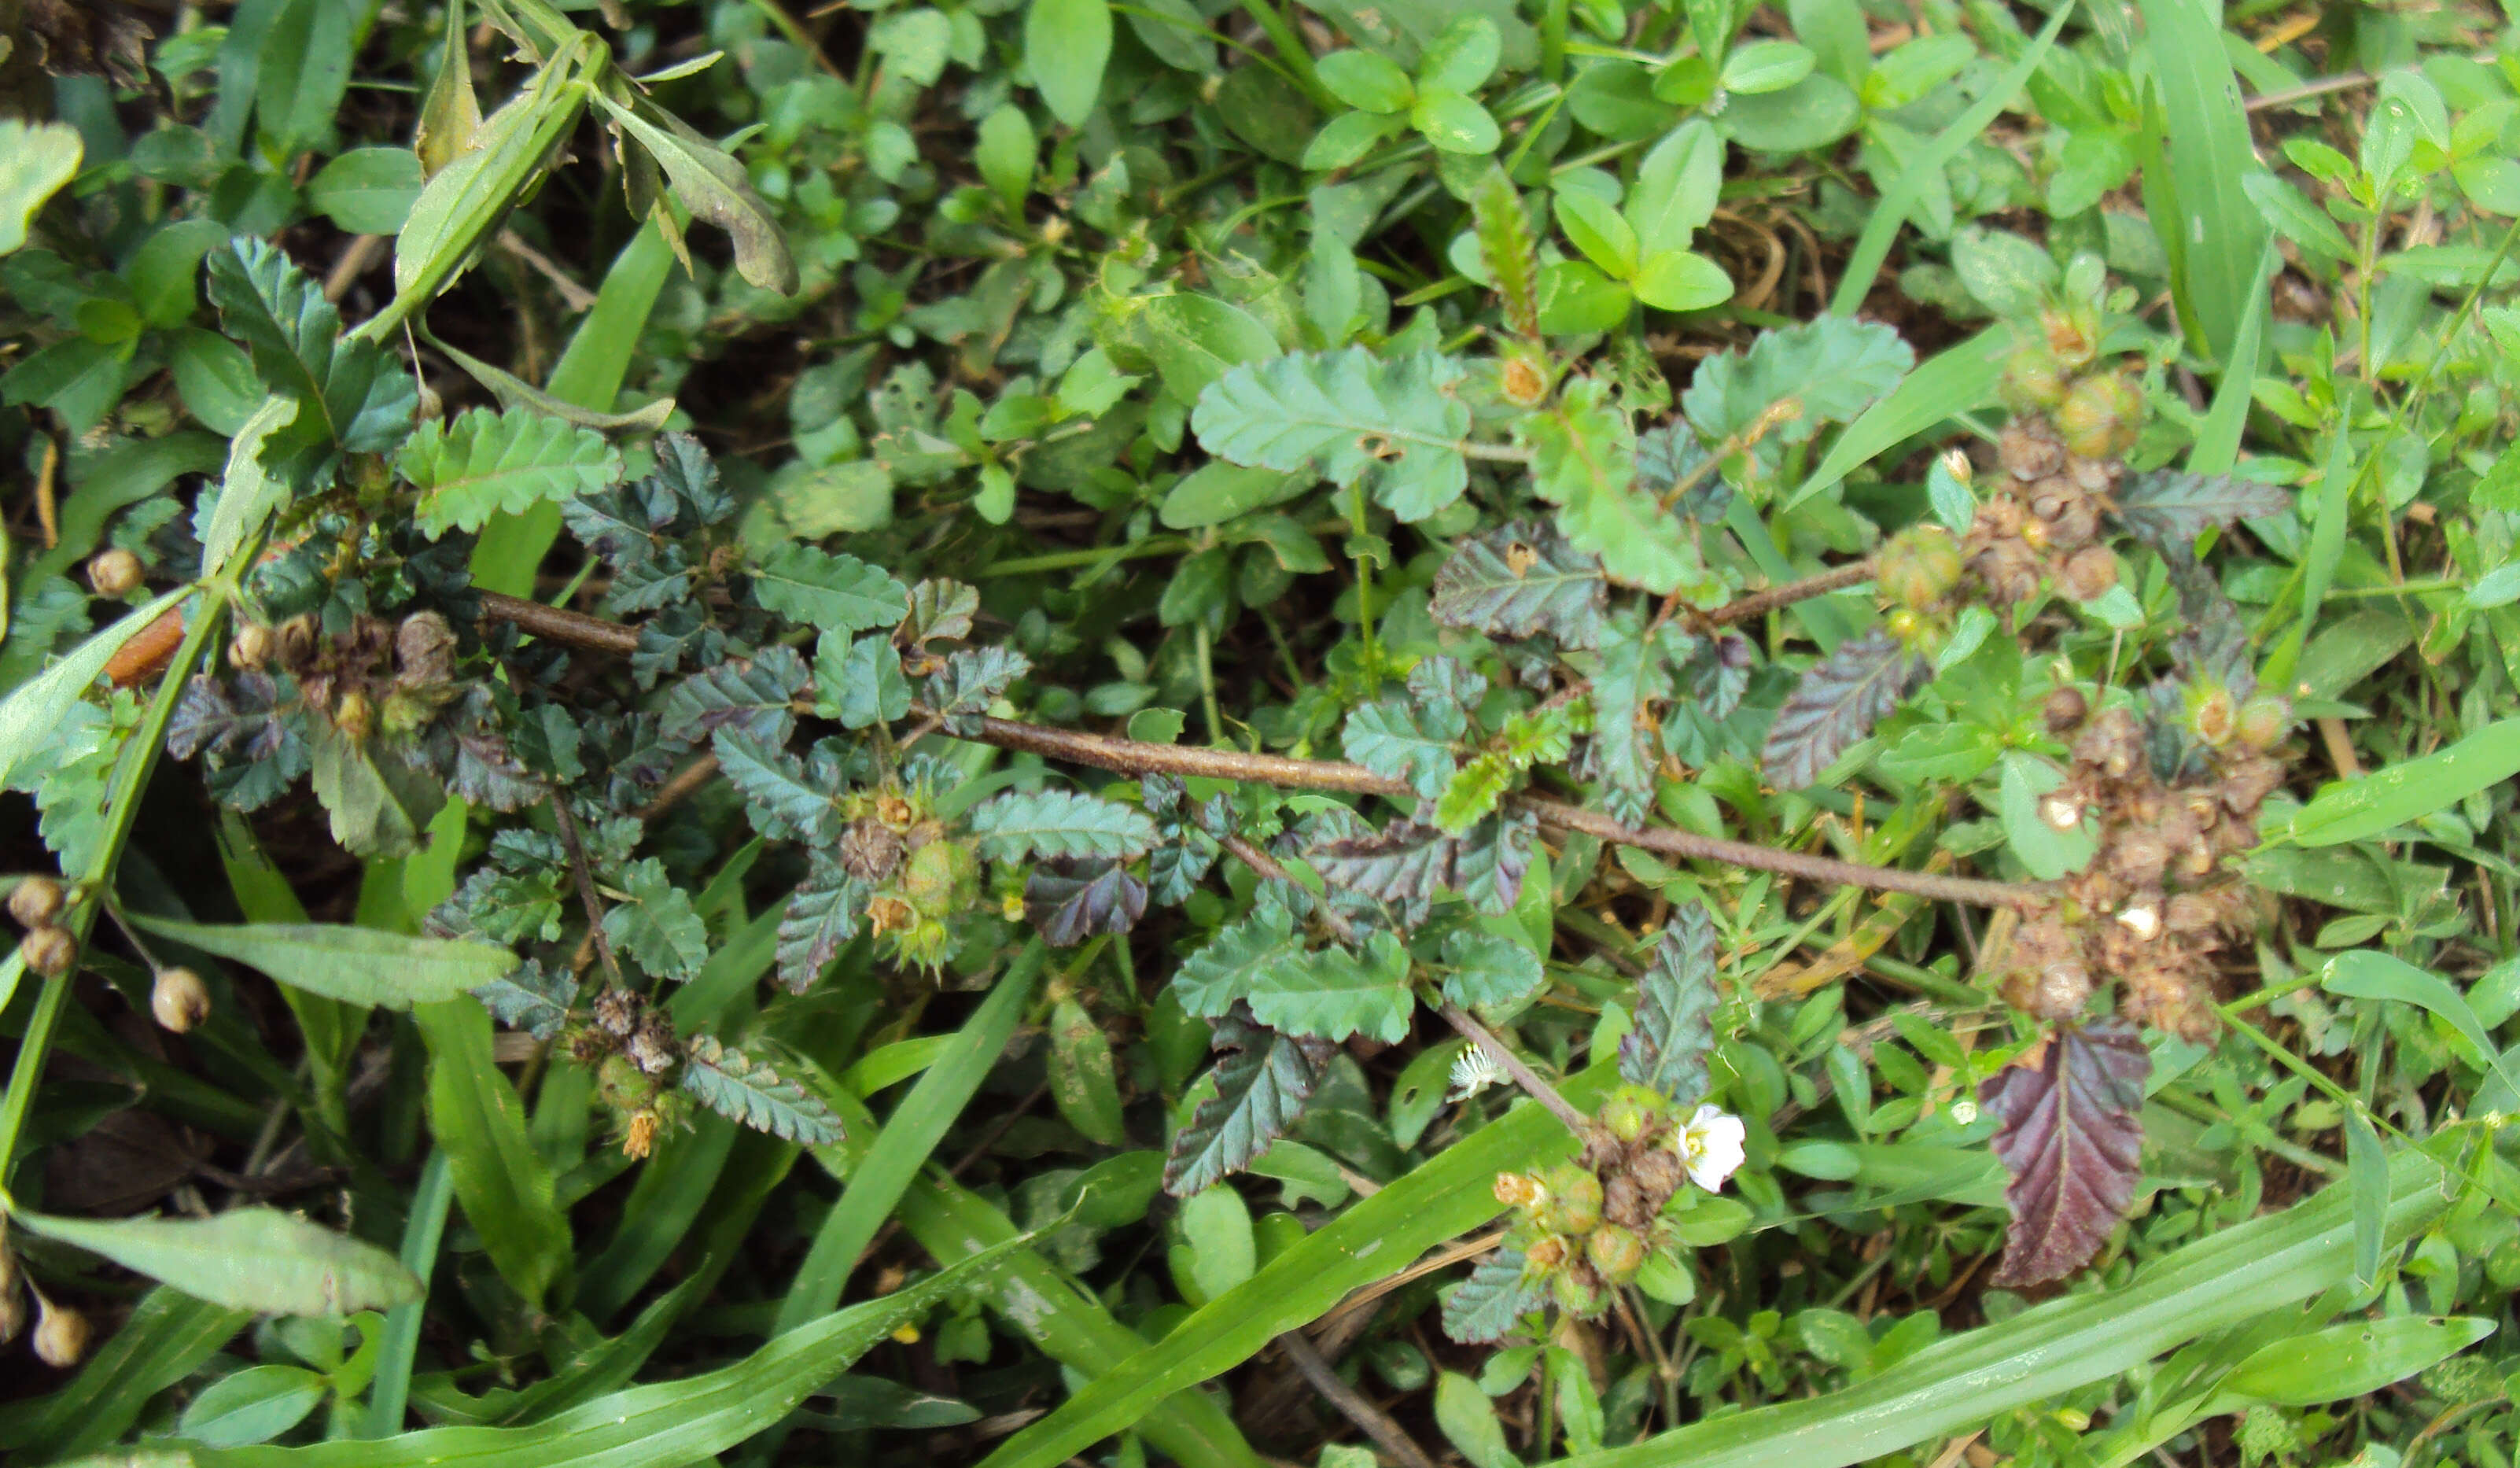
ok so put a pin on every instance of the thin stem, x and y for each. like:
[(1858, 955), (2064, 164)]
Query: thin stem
[(1241, 848), (585, 880), (1132, 757), (1290, 50), (130, 776), (1760, 603), (1352, 1403)]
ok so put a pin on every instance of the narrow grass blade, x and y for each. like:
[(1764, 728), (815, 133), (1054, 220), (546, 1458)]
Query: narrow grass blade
[(664, 1202), (2220, 233), (390, 1390), (2218, 439), (1439, 1201), (2359, 809), (917, 1125), (504, 1186), (168, 1338), (589, 376), (1960, 378), (1873, 246), (2050, 1349)]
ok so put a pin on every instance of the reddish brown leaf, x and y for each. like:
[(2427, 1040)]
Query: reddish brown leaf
[(2071, 1137)]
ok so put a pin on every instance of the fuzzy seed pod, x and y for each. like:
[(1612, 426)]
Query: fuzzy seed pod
[(424, 649), (1615, 1253), (1578, 1292), (2065, 709), (1574, 1201), (1519, 1190), (36, 901), (617, 1012), (1658, 1173), (2072, 332), (115, 572), (2011, 571), (355, 715), (936, 874), (2076, 527), (60, 1334), (2089, 574), (591, 1047), (296, 641), (1623, 1203), (179, 999), (2263, 721), (1522, 383), (2212, 715), (1631, 1111), (2139, 858), (2100, 416), (49, 951), (1918, 566), (652, 1048), (251, 648), (2029, 449), (887, 913), (2034, 380), (870, 852), (2247, 783), (1546, 1252), (2113, 744)]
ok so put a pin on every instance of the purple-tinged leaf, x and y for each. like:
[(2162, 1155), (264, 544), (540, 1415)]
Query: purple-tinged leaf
[(1069, 899), (1262, 1083), (1836, 704), (1675, 1025), (1489, 865), (822, 914), (2165, 509), (1403, 865), (1521, 581), (2071, 1134)]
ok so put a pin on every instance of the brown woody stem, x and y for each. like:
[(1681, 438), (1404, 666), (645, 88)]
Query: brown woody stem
[(1352, 1403), (1760, 603), (1512, 1064), (1131, 757)]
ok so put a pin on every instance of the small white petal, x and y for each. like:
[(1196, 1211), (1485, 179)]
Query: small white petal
[(1473, 1071), (1711, 1146), (2142, 921)]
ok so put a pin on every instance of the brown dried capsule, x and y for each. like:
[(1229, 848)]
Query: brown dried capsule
[(179, 999), (2263, 723), (870, 852), (60, 1334), (1521, 384), (1658, 1170), (251, 648), (2009, 569), (1623, 1203), (2076, 525), (2212, 715), (36, 901), (2028, 449), (617, 1012), (2089, 574), (115, 572), (653, 1049), (49, 951), (1546, 1252), (425, 648), (2065, 709)]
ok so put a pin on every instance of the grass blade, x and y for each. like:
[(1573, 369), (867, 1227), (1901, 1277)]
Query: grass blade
[(504, 1186), (390, 1390), (1440, 1200), (2050, 1349), (2217, 438), (918, 1124), (1873, 246), (2220, 235), (1957, 380), (166, 1338)]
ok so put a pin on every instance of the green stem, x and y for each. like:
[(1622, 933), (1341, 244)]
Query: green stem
[(1160, 545), (122, 806), (1291, 50)]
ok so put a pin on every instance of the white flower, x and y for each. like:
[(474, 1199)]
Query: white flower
[(1473, 1071), (1710, 1146)]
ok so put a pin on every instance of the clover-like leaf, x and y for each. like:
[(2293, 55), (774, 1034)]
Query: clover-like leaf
[(532, 998), (1262, 1083), (781, 801), (971, 681), (1584, 461), (657, 927), (1832, 369), (1675, 1026), (1211, 981), (2070, 1135), (1400, 739), (746, 1088), (1837, 703)]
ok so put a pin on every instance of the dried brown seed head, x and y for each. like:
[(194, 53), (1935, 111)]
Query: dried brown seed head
[(60, 1334), (36, 901), (49, 951), (178, 999), (115, 572)]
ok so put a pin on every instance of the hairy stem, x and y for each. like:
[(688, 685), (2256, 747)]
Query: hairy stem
[(1131, 757)]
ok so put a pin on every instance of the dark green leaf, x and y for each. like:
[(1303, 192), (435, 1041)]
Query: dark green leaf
[(1262, 1081), (1837, 703), (1674, 1031), (744, 1088)]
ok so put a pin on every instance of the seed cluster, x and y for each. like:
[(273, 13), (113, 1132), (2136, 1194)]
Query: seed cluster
[(1587, 1226), (2155, 905), (372, 674), (920, 876), (635, 1052)]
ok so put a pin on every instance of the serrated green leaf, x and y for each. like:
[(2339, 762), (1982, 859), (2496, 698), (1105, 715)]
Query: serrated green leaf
[(488, 463), (744, 1088), (1508, 249), (1484, 1308), (657, 927), (1488, 968), (1584, 459), (1473, 792), (1346, 416), (837, 593), (1832, 369), (1331, 994), (1400, 740), (1262, 1083), (784, 803), (1212, 981), (1837, 703), (1674, 1031), (351, 391), (1521, 581), (1060, 823)]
